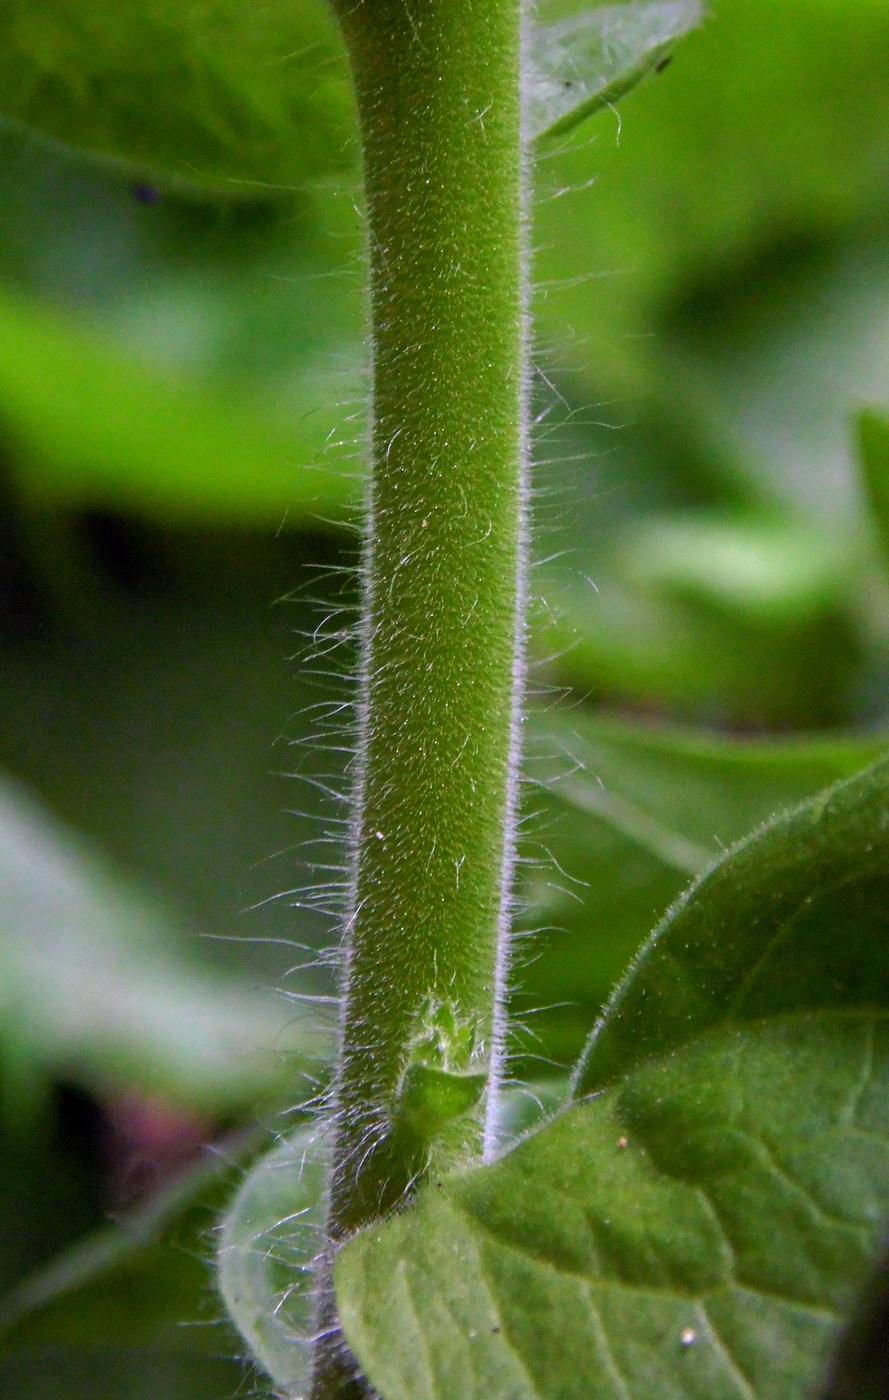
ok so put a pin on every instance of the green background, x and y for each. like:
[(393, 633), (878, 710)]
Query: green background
[(182, 378)]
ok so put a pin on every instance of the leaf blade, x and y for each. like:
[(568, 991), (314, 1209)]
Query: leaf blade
[(774, 900)]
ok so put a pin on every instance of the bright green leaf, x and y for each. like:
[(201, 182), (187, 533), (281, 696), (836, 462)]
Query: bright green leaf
[(587, 62), (766, 571), (699, 1224), (431, 1098), (211, 96), (92, 427)]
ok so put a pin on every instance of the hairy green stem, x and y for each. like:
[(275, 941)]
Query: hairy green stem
[(439, 97)]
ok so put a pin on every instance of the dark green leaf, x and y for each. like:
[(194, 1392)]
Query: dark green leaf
[(700, 1223), (792, 922), (587, 62), (873, 437), (216, 95), (138, 1373)]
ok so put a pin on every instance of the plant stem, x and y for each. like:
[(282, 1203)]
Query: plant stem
[(438, 87)]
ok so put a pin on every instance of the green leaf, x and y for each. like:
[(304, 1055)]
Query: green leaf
[(272, 1233), (94, 987), (90, 426), (792, 920), (587, 62), (621, 815), (776, 365), (213, 96), (766, 571), (873, 439), (701, 1222), (271, 1237)]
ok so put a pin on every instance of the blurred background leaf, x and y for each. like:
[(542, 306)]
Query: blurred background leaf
[(101, 989), (621, 818), (130, 1309), (873, 431), (207, 95)]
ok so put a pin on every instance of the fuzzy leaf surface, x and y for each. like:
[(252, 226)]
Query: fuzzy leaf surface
[(592, 59), (700, 1222)]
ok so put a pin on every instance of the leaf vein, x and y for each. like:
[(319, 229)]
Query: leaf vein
[(607, 1354), (735, 1371)]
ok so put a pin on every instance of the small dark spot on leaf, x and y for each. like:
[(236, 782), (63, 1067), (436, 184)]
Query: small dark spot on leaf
[(663, 63), (495, 1328), (144, 193)]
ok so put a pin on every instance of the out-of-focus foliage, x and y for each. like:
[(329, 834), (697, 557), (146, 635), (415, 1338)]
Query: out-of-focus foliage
[(657, 805), (181, 423), (210, 95), (189, 455), (874, 438), (98, 989), (108, 1311)]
